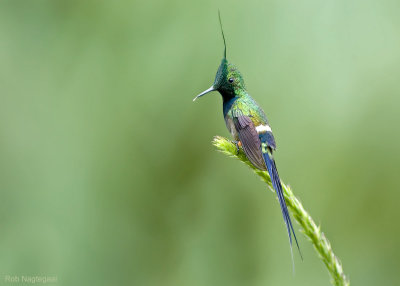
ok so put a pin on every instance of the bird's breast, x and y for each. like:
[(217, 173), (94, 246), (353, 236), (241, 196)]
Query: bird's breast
[(231, 127)]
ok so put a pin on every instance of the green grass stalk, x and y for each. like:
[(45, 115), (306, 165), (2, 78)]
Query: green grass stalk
[(309, 228)]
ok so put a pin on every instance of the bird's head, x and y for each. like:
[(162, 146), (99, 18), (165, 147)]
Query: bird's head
[(228, 80)]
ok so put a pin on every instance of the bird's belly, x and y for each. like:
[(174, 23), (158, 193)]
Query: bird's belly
[(231, 127)]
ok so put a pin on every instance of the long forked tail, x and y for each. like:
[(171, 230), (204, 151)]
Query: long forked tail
[(276, 183)]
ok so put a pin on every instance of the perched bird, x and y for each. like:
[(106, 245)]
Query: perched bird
[(248, 124)]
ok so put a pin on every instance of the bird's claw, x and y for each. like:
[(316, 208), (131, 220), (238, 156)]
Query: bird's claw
[(238, 144)]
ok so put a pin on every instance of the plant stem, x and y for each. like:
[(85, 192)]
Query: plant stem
[(310, 229)]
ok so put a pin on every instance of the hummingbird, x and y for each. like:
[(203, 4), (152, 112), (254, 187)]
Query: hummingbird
[(248, 124)]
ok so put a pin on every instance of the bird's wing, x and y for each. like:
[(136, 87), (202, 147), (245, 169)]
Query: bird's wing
[(249, 138), (258, 145), (262, 127)]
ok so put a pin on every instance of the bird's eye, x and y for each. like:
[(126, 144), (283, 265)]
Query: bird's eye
[(231, 80)]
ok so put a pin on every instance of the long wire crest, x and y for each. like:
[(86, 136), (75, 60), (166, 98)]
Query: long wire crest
[(222, 30)]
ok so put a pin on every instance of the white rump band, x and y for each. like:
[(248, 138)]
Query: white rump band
[(263, 128)]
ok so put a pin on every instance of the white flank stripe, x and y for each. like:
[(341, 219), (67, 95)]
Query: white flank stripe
[(263, 128)]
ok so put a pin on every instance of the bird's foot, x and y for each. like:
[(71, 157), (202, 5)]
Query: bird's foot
[(238, 145)]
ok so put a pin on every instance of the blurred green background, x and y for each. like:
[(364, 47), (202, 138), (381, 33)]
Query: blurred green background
[(107, 172)]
